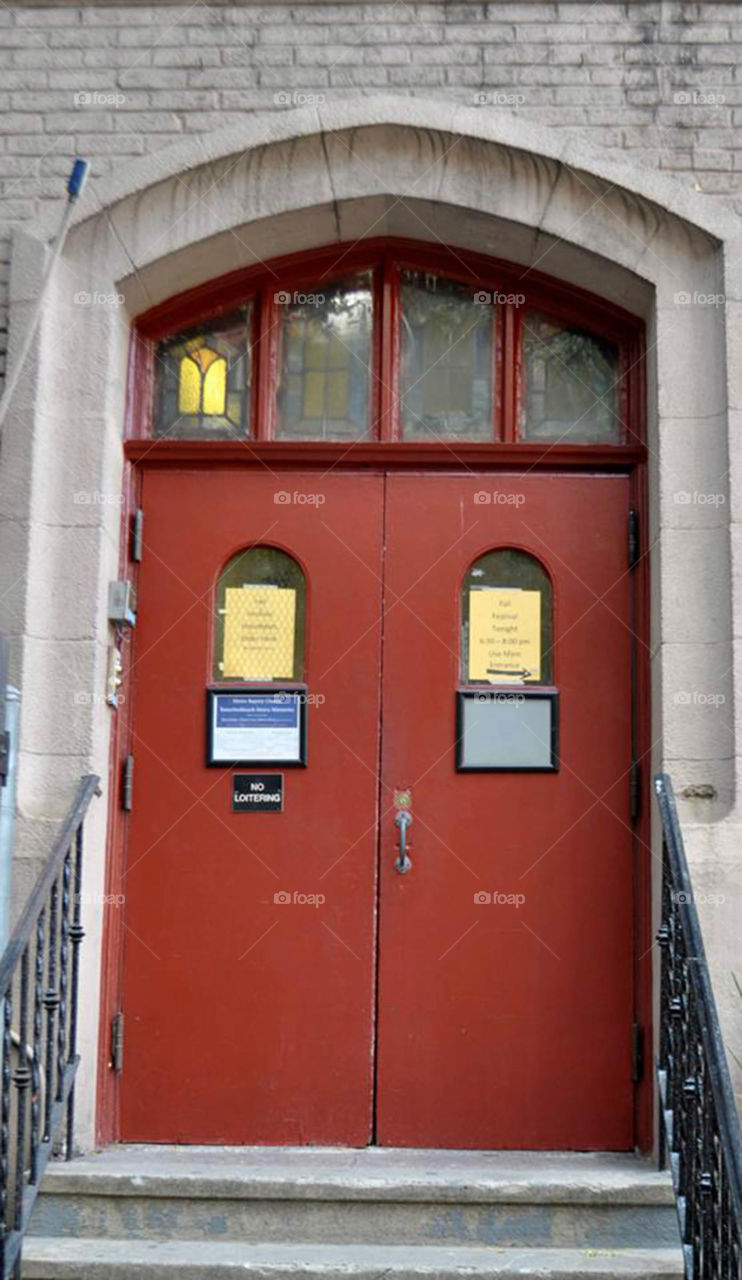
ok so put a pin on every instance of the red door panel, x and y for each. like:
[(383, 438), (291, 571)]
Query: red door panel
[(505, 1025), (249, 1021)]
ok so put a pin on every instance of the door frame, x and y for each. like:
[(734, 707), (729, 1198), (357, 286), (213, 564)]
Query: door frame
[(380, 459), (388, 454)]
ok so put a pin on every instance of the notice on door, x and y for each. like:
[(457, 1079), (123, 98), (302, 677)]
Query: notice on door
[(504, 634), (257, 792), (256, 727), (259, 627)]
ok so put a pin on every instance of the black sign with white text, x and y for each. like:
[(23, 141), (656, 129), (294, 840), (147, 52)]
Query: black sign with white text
[(257, 792)]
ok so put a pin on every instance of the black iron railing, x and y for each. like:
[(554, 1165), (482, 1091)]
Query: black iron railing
[(39, 978), (700, 1133)]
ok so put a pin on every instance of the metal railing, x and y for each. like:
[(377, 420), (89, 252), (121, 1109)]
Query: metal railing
[(39, 978), (700, 1133)]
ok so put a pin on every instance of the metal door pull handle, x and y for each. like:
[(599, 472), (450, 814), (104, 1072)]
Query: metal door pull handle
[(402, 821)]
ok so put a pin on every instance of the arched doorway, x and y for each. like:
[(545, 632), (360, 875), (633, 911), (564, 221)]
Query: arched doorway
[(451, 461)]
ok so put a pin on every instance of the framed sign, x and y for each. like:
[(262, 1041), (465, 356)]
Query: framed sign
[(256, 725), (507, 729)]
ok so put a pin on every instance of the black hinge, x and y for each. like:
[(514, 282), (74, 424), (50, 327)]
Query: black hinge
[(633, 537), (637, 1052), (635, 790), (4, 733), (4, 756), (127, 784), (117, 1041), (137, 535)]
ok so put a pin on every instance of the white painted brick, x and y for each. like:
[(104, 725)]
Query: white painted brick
[(224, 78)]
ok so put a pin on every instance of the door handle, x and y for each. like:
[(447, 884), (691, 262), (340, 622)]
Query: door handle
[(402, 820)]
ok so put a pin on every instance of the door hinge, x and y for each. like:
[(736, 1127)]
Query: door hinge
[(637, 1052), (635, 790), (137, 535), (4, 756), (117, 1041), (127, 784), (633, 537)]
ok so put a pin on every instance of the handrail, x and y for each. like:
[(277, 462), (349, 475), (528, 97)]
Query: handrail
[(39, 979), (700, 1135)]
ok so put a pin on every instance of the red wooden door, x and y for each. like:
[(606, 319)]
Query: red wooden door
[(507, 1025), (249, 1020)]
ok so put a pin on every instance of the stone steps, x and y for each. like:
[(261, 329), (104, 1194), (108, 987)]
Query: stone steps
[(84, 1259), (203, 1211)]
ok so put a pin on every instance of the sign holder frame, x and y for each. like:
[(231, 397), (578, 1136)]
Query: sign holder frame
[(269, 692), (542, 693)]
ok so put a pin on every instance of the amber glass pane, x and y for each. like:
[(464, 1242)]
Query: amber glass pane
[(570, 384), (507, 568), (259, 616), (325, 380), (202, 379), (446, 360)]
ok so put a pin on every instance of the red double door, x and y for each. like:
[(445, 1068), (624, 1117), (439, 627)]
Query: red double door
[(374, 1006)]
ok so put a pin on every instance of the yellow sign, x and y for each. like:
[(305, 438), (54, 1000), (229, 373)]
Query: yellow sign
[(504, 635), (259, 633)]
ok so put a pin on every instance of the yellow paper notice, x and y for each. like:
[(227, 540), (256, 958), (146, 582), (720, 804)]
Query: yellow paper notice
[(504, 635), (259, 633)]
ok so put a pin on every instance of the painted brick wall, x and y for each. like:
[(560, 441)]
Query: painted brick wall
[(661, 80)]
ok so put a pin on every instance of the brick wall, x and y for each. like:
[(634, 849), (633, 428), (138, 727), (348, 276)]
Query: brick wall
[(661, 80)]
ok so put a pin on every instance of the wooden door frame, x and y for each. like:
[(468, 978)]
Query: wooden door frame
[(381, 459), (503, 455)]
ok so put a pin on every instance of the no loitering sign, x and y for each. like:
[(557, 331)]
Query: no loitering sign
[(257, 792)]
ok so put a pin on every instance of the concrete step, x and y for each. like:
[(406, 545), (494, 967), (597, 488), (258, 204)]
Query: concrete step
[(376, 1196), (86, 1259)]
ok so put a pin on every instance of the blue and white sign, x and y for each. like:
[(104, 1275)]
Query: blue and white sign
[(256, 726)]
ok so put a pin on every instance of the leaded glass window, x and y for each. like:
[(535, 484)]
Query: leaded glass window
[(446, 359), (570, 384), (202, 380), (325, 364)]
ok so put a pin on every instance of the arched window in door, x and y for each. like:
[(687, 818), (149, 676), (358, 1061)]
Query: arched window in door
[(260, 617), (507, 623)]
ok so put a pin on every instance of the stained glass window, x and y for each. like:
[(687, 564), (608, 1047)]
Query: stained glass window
[(446, 373), (325, 379), (202, 380), (259, 615), (570, 384)]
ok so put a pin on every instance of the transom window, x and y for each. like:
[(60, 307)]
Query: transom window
[(391, 344)]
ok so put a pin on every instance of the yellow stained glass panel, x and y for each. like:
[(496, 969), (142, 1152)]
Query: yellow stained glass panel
[(202, 384)]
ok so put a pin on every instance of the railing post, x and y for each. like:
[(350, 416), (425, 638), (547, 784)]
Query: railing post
[(77, 933), (699, 1126), (39, 979)]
